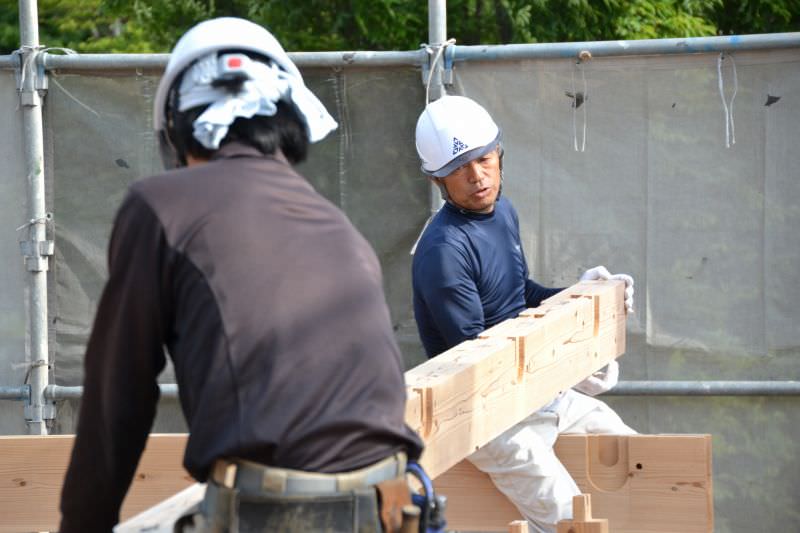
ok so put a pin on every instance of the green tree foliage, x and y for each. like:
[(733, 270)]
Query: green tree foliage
[(82, 25), (523, 21), (155, 25), (753, 16), (310, 25)]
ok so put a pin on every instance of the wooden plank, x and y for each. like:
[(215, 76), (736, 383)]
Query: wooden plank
[(640, 483), (667, 481), (473, 502), (32, 470)]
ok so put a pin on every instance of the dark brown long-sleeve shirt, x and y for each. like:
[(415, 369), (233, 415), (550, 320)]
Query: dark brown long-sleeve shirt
[(271, 307)]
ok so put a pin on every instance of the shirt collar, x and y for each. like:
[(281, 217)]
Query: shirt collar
[(238, 149), (452, 208)]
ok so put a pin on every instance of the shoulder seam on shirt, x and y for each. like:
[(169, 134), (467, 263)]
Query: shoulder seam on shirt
[(187, 257)]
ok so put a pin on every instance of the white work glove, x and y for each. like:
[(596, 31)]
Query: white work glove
[(601, 272), (601, 381)]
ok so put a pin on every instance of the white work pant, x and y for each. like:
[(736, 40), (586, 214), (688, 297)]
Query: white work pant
[(522, 464)]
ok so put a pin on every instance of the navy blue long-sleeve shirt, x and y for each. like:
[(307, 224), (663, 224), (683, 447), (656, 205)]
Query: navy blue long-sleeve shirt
[(469, 273)]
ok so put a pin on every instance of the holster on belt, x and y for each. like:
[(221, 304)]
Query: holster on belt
[(393, 495), (221, 509)]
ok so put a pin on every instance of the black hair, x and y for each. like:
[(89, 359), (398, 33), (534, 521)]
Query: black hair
[(285, 131)]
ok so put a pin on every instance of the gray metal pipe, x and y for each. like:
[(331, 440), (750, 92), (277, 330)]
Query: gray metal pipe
[(412, 58), (9, 62), (301, 59), (691, 45), (623, 388), (36, 412), (706, 388), (437, 35), (15, 393), (169, 391)]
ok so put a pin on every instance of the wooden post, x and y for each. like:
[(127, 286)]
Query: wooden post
[(582, 521), (518, 526)]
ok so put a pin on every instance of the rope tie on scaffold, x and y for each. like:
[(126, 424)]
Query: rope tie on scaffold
[(579, 100), (44, 219), (37, 51), (730, 126), (437, 52)]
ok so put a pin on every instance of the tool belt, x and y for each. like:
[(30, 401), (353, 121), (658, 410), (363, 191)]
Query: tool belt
[(246, 496), (254, 478)]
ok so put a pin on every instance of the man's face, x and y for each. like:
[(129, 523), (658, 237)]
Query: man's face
[(475, 185)]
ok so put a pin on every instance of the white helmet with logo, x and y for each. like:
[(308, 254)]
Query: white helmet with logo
[(227, 34), (453, 131)]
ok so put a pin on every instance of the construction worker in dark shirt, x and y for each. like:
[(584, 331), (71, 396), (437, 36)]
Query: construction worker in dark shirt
[(268, 301)]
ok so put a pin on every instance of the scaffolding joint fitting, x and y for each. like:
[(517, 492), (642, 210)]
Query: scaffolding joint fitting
[(37, 254), (447, 57), (41, 408), (31, 75), (39, 412)]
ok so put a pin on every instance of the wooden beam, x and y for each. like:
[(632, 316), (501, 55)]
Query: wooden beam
[(468, 395), (672, 491), (640, 483), (32, 470)]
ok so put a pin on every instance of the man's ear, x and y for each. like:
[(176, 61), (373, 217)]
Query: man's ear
[(439, 182)]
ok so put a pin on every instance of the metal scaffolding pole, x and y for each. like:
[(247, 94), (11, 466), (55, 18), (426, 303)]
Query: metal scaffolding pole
[(693, 45), (169, 391), (36, 248), (706, 388), (104, 62), (437, 35), (22, 393)]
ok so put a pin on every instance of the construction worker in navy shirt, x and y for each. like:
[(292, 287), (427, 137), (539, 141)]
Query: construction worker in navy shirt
[(469, 273)]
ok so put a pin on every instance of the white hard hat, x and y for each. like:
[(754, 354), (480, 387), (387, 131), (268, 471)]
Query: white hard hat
[(225, 33), (452, 131)]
